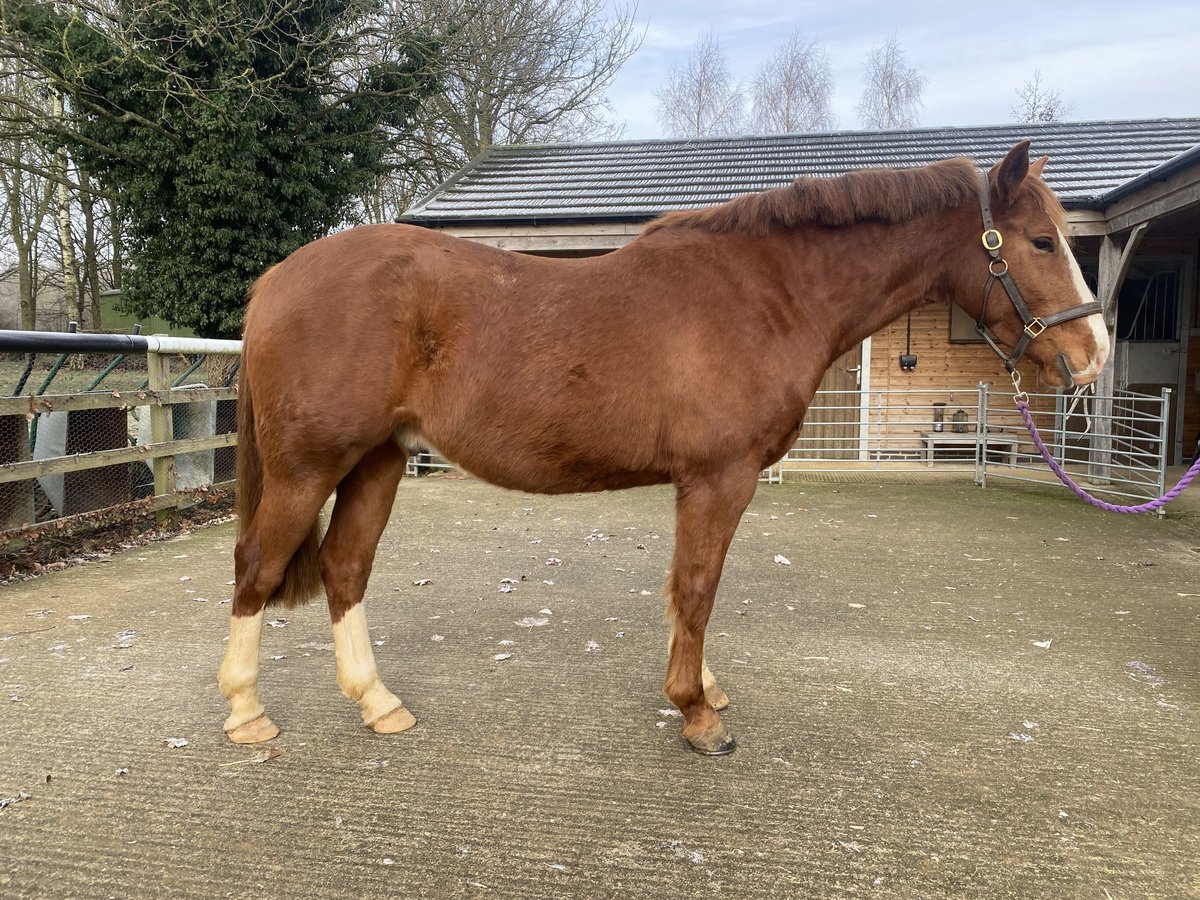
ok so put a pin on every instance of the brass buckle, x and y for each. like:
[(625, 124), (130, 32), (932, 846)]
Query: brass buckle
[(992, 240), (1034, 328)]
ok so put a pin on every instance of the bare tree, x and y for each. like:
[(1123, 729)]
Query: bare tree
[(892, 89), (699, 98), (793, 89), (66, 239), (1038, 103), (25, 181), (514, 72)]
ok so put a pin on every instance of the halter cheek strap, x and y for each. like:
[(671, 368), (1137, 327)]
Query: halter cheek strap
[(998, 271)]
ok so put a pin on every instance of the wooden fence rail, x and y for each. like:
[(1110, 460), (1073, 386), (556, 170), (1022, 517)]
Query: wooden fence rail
[(156, 445)]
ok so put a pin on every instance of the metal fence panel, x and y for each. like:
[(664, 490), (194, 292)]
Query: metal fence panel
[(1117, 446)]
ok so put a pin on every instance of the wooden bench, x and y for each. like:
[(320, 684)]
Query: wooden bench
[(1004, 443)]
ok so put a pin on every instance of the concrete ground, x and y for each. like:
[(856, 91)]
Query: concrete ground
[(949, 692)]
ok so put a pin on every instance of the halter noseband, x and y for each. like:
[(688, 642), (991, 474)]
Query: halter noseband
[(998, 271)]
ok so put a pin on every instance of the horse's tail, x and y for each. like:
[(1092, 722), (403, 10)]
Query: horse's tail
[(302, 578)]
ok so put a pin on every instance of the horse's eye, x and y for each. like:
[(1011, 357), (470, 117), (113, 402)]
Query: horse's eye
[(1044, 244)]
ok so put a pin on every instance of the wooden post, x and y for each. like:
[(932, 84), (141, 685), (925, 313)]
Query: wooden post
[(1114, 264), (162, 428)]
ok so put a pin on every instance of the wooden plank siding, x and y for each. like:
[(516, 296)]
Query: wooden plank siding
[(941, 366)]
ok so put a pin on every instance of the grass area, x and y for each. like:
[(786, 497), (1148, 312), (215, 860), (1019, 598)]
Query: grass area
[(79, 371)]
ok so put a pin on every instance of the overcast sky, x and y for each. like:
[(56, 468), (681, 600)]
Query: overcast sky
[(1111, 59)]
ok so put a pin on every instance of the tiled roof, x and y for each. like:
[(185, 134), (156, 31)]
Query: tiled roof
[(633, 180)]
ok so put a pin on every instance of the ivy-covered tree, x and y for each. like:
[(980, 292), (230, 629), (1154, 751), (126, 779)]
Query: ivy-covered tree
[(231, 132)]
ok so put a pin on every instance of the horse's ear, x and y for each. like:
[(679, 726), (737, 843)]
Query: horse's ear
[(1006, 176), (1035, 167)]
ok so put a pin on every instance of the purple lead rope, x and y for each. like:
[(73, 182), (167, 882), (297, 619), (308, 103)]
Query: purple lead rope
[(1149, 506)]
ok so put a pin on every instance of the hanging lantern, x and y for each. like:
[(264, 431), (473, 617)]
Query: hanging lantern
[(939, 416), (960, 422)]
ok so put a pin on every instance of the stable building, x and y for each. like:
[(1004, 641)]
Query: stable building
[(1131, 190)]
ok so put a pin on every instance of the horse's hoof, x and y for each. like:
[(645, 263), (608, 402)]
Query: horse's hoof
[(716, 697), (714, 742), (253, 732), (399, 719)]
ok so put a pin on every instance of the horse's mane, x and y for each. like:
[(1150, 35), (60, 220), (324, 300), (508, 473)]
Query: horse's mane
[(866, 195)]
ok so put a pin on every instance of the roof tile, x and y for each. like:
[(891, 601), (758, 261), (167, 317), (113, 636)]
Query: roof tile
[(640, 179)]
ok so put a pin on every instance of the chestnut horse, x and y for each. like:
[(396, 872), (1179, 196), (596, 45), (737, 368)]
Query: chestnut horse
[(688, 356)]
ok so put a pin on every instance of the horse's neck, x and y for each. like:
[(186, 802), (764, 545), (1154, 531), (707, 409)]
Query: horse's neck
[(874, 272)]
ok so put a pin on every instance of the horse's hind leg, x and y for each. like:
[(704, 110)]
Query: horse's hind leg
[(364, 501), (285, 515), (707, 514)]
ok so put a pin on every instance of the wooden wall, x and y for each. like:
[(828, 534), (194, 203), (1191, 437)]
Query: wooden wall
[(941, 364)]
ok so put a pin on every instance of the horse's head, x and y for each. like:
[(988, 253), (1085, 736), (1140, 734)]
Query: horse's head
[(1035, 301)]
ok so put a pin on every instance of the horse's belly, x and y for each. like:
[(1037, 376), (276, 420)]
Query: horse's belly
[(543, 467)]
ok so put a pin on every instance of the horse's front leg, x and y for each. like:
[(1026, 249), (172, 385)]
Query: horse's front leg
[(707, 512)]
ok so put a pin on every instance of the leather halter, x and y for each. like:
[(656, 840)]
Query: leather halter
[(998, 271)]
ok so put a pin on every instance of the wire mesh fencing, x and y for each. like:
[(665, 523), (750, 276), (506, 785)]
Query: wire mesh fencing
[(83, 433)]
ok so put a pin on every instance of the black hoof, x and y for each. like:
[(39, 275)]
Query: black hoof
[(719, 744)]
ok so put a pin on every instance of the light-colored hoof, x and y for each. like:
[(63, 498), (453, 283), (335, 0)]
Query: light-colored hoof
[(399, 719), (716, 697), (254, 732)]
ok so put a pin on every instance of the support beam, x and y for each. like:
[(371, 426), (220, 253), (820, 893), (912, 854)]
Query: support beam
[(162, 428), (1175, 193), (1114, 264)]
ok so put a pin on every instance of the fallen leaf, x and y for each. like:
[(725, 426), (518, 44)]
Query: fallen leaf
[(258, 758), (500, 657), (1045, 645), (782, 560), (175, 743), (20, 798)]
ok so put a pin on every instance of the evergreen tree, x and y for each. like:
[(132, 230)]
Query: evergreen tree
[(232, 132)]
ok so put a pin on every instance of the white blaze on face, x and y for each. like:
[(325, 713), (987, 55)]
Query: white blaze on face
[(1099, 331)]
